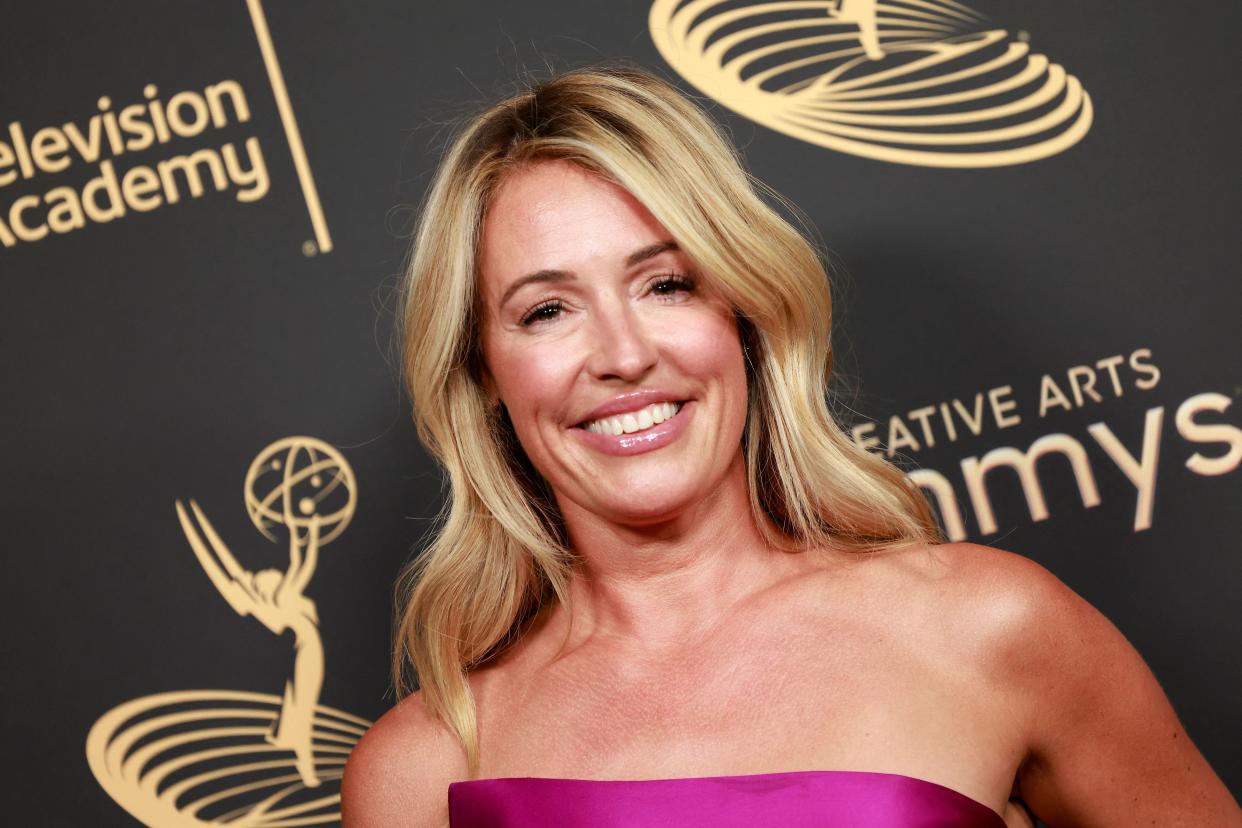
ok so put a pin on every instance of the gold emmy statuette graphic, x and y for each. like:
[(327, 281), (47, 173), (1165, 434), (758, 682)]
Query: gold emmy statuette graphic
[(923, 82), (211, 757)]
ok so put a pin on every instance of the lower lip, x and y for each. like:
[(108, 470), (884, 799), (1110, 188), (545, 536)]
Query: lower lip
[(623, 445)]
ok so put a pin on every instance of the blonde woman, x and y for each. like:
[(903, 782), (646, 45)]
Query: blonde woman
[(667, 590)]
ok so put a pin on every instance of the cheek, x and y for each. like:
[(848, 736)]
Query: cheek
[(533, 381), (709, 347)]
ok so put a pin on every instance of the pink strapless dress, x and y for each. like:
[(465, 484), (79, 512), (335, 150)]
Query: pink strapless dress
[(858, 799)]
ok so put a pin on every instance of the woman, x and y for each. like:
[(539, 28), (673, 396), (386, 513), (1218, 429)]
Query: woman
[(662, 562)]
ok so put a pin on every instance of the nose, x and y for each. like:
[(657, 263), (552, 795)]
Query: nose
[(620, 347)]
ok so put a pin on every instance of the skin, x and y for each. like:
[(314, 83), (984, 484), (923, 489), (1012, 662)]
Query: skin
[(695, 649)]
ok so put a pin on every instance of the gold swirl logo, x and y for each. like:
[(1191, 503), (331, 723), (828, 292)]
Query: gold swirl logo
[(922, 82), (207, 757)]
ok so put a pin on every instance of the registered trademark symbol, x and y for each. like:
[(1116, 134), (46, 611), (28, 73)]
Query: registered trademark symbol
[(309, 248), (1024, 36)]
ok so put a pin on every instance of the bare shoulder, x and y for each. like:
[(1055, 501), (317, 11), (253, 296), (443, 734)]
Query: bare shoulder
[(1006, 596), (1037, 630), (969, 565), (974, 610), (993, 593), (1029, 628), (398, 773), (1104, 745), (996, 615)]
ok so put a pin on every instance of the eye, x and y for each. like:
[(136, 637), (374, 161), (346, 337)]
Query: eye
[(543, 312), (663, 285), (667, 284)]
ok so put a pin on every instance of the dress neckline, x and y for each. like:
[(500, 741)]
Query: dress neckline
[(798, 773)]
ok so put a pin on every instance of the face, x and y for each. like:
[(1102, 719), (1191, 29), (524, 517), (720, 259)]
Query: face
[(594, 322)]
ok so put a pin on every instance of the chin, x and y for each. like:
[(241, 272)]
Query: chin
[(654, 506)]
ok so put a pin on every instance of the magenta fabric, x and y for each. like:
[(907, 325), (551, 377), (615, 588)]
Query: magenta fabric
[(858, 799)]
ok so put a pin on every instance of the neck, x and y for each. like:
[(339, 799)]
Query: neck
[(663, 585)]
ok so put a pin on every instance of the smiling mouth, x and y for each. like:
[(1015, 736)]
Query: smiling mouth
[(633, 422)]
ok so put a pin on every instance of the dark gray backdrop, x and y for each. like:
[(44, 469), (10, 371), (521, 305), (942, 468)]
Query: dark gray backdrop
[(153, 357)]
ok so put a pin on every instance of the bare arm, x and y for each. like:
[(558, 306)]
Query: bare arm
[(398, 774), (1106, 748)]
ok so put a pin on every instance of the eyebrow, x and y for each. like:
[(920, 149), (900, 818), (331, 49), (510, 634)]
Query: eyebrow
[(554, 276)]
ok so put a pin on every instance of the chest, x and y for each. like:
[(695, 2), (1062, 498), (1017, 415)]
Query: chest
[(759, 701)]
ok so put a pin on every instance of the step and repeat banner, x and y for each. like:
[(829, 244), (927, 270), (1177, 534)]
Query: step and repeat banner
[(213, 478)]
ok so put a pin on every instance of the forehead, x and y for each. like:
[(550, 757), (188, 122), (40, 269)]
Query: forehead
[(555, 214)]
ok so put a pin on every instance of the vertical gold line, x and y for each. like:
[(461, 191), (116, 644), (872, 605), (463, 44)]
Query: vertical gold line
[(290, 124)]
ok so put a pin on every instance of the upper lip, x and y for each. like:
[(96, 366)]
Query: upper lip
[(629, 402)]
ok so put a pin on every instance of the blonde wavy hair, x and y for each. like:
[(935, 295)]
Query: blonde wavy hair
[(500, 553)]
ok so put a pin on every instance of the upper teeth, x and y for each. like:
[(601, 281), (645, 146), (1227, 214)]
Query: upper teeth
[(634, 420)]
